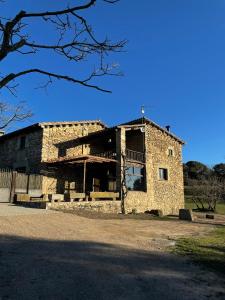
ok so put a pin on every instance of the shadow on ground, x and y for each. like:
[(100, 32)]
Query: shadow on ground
[(43, 269)]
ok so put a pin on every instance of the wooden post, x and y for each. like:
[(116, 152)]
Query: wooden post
[(13, 186), (28, 183), (84, 178)]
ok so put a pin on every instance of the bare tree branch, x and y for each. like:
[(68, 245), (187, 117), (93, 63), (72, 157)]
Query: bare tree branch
[(13, 76), (67, 23), (10, 114)]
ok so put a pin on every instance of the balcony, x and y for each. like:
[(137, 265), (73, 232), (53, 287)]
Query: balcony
[(105, 154), (131, 155), (135, 156)]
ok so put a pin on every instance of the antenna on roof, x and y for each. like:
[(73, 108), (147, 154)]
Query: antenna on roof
[(142, 111), (143, 128)]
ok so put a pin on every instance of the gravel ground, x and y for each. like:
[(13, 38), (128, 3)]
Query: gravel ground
[(47, 255), (7, 209)]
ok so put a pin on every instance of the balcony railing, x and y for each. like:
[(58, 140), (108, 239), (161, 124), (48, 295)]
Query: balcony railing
[(135, 155), (130, 155), (106, 154)]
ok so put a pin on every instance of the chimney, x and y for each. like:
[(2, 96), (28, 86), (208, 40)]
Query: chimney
[(2, 133), (168, 128)]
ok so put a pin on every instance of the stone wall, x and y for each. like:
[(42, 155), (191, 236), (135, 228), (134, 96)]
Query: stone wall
[(57, 180), (61, 140), (11, 156), (166, 195), (47, 142), (97, 206)]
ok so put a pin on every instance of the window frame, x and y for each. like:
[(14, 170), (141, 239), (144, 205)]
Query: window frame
[(165, 173), (136, 175), (170, 152)]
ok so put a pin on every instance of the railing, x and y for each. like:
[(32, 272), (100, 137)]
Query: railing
[(106, 154), (135, 155), (130, 155)]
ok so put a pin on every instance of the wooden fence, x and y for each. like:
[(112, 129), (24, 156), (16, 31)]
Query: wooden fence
[(12, 182)]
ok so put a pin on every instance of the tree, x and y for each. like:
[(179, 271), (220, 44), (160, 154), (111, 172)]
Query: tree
[(74, 40), (209, 192), (196, 170), (219, 170), (205, 186)]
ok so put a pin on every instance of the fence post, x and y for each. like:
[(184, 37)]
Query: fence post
[(13, 186), (28, 183)]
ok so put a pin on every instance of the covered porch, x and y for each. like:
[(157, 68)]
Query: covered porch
[(86, 177), (94, 166)]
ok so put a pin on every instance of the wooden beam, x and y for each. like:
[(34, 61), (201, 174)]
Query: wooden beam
[(81, 158)]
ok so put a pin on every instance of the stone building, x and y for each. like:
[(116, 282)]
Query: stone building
[(139, 161)]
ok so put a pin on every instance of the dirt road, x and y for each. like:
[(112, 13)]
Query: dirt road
[(64, 256)]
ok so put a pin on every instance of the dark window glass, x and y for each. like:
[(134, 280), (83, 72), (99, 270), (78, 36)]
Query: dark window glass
[(170, 152), (130, 170), (135, 178), (138, 171), (163, 174)]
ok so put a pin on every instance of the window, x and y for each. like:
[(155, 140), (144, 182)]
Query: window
[(135, 179), (170, 152), (163, 174), (22, 142), (62, 152)]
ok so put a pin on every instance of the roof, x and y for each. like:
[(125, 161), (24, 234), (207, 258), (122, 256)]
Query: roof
[(39, 126), (72, 123), (137, 122), (148, 121)]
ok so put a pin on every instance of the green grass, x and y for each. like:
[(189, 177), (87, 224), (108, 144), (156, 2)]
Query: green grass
[(208, 251), (220, 207)]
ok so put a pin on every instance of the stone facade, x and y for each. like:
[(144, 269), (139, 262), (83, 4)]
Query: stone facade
[(61, 140), (15, 156), (46, 142), (166, 195), (42, 143)]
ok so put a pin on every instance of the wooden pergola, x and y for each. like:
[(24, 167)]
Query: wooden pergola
[(81, 159)]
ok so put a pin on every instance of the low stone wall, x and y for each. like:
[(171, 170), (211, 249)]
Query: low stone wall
[(97, 206)]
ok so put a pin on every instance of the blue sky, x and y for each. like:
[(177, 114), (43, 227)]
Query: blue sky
[(174, 64)]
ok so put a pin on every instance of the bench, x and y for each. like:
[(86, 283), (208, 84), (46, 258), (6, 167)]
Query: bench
[(104, 195), (41, 198), (73, 196), (20, 197), (56, 197)]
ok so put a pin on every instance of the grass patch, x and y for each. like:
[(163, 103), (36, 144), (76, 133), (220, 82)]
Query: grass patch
[(208, 251), (220, 207)]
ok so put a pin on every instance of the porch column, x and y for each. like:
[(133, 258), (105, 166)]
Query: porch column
[(84, 177), (120, 150)]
